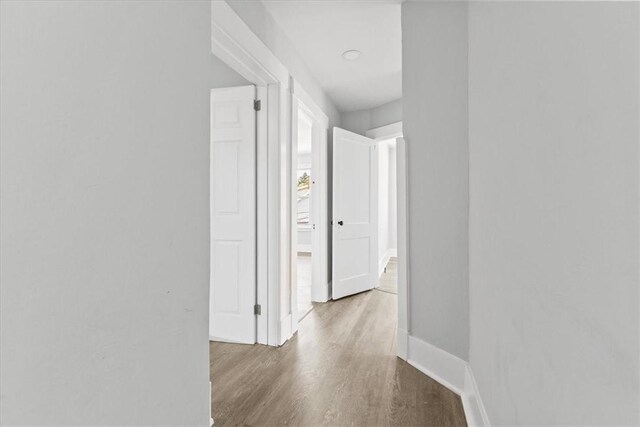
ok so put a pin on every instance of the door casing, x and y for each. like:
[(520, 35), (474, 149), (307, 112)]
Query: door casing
[(300, 100)]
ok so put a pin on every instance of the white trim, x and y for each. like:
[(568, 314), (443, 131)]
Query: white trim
[(275, 101), (235, 44), (474, 409), (309, 104), (262, 224), (394, 130), (443, 367), (375, 215), (453, 373), (320, 174), (220, 339), (402, 227), (292, 224)]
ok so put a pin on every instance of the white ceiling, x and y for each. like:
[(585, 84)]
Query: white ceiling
[(322, 30)]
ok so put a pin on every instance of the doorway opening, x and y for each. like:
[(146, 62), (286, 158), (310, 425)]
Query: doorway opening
[(309, 228), (387, 217), (366, 193), (305, 224), (316, 236)]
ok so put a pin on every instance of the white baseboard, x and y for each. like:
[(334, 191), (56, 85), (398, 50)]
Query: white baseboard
[(443, 367), (450, 371), (218, 339), (473, 407)]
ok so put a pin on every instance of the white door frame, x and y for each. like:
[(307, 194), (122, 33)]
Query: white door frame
[(236, 45), (394, 130), (320, 170)]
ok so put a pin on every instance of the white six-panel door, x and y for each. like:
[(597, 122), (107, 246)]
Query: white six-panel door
[(233, 215), (354, 213)]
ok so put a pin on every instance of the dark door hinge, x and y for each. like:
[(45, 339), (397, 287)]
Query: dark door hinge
[(257, 309), (257, 105)]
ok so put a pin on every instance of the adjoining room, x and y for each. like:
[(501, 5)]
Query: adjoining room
[(387, 217), (304, 203)]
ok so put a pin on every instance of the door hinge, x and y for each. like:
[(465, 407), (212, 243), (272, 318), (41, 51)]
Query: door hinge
[(257, 105), (257, 309)]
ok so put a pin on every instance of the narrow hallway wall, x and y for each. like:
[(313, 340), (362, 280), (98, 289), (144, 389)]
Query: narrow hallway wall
[(104, 129), (554, 144), (363, 120), (434, 67)]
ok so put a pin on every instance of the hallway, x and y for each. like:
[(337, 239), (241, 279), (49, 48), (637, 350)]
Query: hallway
[(340, 369)]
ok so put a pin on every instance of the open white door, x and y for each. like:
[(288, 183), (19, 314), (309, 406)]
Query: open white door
[(233, 215), (354, 213)]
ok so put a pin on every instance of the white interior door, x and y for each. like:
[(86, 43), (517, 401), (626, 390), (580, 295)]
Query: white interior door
[(233, 215), (354, 213)]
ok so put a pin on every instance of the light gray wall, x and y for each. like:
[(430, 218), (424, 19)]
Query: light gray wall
[(104, 131), (434, 61), (258, 18), (356, 121), (553, 125), (363, 120)]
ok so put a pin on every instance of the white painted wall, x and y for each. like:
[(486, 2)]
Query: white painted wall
[(363, 120), (104, 130), (554, 145), (434, 59)]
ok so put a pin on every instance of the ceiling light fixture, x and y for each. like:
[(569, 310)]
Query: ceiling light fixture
[(351, 55)]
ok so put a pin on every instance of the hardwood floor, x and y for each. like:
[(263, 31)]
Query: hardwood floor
[(340, 369)]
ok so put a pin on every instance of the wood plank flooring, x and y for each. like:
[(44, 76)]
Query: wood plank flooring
[(340, 369)]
